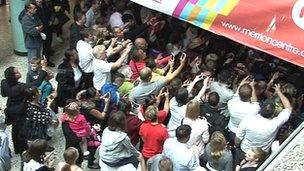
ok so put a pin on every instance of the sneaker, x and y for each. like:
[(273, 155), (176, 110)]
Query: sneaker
[(94, 166), (59, 39)]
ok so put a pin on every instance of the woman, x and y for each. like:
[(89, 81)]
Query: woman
[(254, 157), (137, 63), (15, 106), (37, 117), (68, 77), (199, 134), (70, 156), (116, 149), (216, 154), (37, 160)]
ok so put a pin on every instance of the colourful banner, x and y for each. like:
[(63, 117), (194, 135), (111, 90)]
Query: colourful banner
[(275, 27)]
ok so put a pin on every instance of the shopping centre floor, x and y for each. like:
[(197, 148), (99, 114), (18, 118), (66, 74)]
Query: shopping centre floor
[(292, 161)]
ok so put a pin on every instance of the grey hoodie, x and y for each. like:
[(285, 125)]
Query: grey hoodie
[(115, 146)]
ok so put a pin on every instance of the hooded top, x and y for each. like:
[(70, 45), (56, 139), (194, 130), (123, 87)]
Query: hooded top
[(115, 146)]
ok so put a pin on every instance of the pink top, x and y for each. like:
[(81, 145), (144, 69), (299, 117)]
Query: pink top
[(136, 67), (79, 125)]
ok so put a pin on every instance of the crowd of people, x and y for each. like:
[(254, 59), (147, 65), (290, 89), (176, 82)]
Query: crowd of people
[(139, 90)]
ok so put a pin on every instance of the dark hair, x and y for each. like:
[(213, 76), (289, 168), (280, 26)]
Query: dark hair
[(117, 121), (183, 133), (100, 21), (245, 92), (268, 109), (225, 76), (85, 33), (150, 63), (213, 99), (78, 16), (135, 55), (182, 96), (28, 5), (124, 105), (30, 93), (174, 85), (126, 18), (165, 164), (10, 76), (37, 149), (117, 75), (67, 55)]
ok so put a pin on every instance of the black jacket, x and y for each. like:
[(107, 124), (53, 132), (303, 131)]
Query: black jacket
[(75, 35), (66, 88)]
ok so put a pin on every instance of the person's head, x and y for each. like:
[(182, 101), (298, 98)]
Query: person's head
[(101, 21), (120, 5), (86, 35), (70, 155), (128, 18), (32, 94), (99, 52), (245, 92), (37, 149), (225, 76), (182, 96), (39, 2), (145, 74), (95, 5), (268, 109), (12, 75), (211, 56), (118, 32), (35, 64), (117, 121), (213, 99), (289, 89), (137, 54), (151, 113), (141, 43), (183, 133), (260, 87), (118, 79), (124, 105), (80, 18), (151, 64), (217, 144), (255, 154), (193, 110), (174, 85), (71, 56), (30, 8), (72, 109), (165, 164)]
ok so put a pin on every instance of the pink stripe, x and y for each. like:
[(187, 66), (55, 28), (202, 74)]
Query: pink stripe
[(179, 8), (193, 1)]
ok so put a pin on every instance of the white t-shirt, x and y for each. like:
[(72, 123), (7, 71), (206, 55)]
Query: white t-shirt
[(239, 110), (102, 74), (199, 133), (177, 114), (115, 20), (85, 56), (258, 131)]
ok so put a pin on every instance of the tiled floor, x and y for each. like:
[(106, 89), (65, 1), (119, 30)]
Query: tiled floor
[(8, 58)]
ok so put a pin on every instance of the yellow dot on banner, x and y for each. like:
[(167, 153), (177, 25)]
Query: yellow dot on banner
[(194, 13), (209, 20), (228, 7)]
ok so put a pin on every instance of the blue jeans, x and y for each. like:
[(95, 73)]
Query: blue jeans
[(33, 53)]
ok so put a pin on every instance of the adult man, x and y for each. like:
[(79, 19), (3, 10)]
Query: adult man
[(260, 130), (115, 18), (243, 104), (102, 68), (75, 29), (85, 50), (32, 28), (177, 151), (44, 13), (145, 89), (93, 13)]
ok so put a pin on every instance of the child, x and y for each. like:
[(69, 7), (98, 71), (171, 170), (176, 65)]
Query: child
[(70, 156), (152, 133), (46, 87), (77, 123), (37, 72), (94, 142)]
